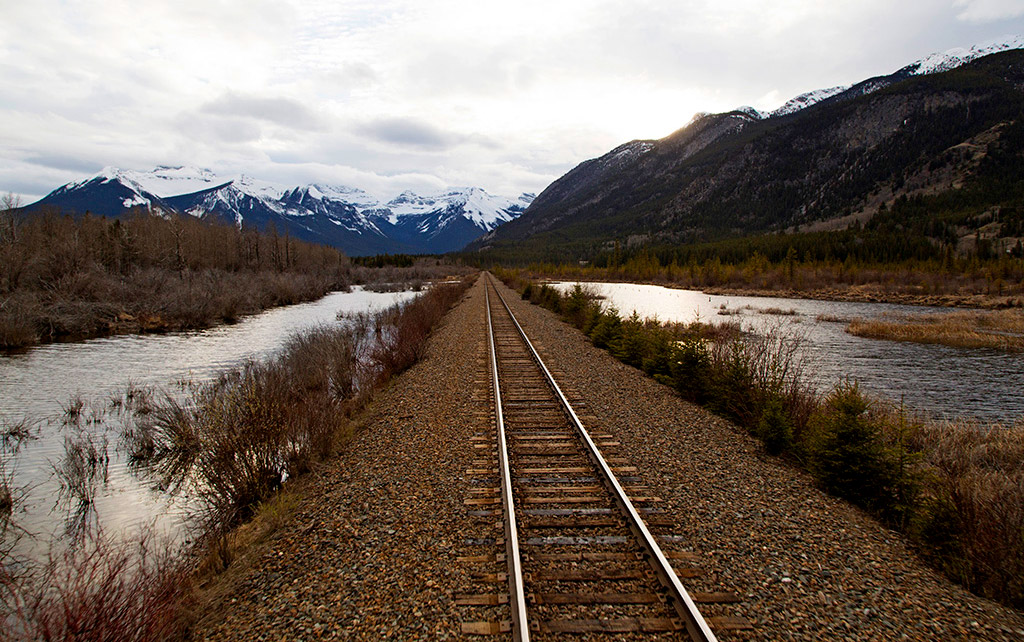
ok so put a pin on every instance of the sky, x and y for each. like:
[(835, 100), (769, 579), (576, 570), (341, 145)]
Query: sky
[(388, 95)]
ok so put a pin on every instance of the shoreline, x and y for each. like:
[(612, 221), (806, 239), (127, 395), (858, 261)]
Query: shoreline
[(853, 294)]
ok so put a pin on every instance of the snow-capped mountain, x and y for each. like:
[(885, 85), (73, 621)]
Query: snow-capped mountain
[(953, 58), (345, 217), (846, 151), (931, 64), (449, 220)]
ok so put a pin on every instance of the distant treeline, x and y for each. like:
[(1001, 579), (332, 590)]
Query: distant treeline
[(68, 277), (945, 244), (385, 260)]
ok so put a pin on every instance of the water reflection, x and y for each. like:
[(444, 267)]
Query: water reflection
[(945, 381), (64, 408)]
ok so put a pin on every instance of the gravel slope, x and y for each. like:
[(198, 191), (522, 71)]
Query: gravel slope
[(372, 553)]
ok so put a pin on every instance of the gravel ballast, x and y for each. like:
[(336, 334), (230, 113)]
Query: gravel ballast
[(372, 552)]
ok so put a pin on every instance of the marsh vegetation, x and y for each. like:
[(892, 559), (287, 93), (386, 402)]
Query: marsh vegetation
[(229, 444), (998, 329)]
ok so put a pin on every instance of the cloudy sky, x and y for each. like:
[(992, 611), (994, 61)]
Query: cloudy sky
[(422, 94)]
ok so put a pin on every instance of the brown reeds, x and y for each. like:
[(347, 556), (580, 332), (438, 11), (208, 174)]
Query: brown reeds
[(974, 496), (104, 589), (1000, 329)]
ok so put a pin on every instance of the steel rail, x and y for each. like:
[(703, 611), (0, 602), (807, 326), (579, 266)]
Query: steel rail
[(517, 595), (681, 601)]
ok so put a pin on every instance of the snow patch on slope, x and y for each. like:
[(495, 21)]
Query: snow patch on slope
[(934, 63), (163, 181), (803, 101), (953, 58)]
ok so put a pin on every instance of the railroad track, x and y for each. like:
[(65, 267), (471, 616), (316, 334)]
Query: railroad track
[(578, 552)]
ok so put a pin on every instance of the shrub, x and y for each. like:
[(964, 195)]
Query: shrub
[(607, 332), (732, 390), (775, 428), (657, 360), (690, 369), (848, 455), (631, 348)]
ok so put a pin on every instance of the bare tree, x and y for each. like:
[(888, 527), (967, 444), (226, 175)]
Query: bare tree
[(11, 258), (8, 203)]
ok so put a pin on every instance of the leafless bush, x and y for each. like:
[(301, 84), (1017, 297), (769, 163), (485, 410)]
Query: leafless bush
[(403, 330), (6, 492), (16, 329), (233, 442), (101, 590)]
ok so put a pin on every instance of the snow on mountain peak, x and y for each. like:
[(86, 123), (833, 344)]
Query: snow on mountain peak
[(934, 63), (263, 190), (163, 181), (806, 100), (953, 58), (438, 217)]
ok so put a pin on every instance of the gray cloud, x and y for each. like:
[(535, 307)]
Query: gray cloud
[(980, 11), (411, 132), (64, 162), (508, 94), (283, 112), (204, 128)]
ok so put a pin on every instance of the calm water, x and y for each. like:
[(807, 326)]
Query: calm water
[(944, 381), (38, 385)]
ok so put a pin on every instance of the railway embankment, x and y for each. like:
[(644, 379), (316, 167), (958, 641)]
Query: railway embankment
[(372, 547)]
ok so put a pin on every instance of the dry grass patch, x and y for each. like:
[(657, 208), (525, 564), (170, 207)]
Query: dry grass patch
[(975, 496), (1001, 330)]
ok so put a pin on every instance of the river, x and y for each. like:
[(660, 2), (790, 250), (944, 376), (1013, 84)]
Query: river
[(39, 386), (943, 381)]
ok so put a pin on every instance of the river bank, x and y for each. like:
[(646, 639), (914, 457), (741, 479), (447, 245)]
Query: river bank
[(68, 279), (874, 293), (223, 446), (372, 549)]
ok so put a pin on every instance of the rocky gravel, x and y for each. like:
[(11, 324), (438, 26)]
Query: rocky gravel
[(373, 551)]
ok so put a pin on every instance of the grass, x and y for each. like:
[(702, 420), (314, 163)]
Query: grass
[(999, 330), (956, 490), (975, 491)]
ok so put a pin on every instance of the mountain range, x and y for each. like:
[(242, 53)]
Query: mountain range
[(343, 217), (949, 128)]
